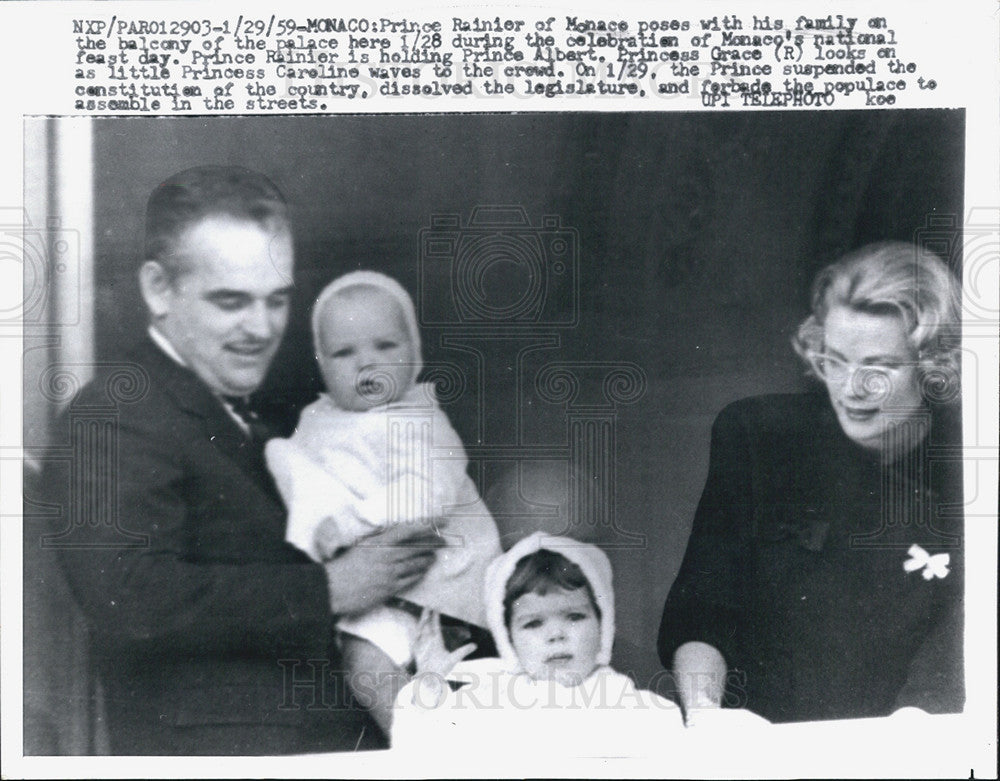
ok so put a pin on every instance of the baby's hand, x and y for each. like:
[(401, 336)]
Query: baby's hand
[(429, 652), (327, 539)]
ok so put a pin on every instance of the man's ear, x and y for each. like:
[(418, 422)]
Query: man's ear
[(156, 286)]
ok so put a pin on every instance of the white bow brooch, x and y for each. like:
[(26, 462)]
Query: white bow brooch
[(933, 566)]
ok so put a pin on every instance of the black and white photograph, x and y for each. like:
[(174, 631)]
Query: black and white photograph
[(612, 441), (563, 304)]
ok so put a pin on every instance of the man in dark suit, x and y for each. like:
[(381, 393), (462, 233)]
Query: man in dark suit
[(212, 635)]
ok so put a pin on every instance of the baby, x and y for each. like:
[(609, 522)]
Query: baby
[(550, 607), (376, 451)]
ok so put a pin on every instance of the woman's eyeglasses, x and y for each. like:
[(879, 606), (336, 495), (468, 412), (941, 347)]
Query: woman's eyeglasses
[(872, 378)]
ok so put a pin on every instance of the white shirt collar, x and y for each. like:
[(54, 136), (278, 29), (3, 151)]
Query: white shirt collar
[(161, 341)]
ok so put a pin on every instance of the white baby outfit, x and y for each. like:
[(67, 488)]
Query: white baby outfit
[(492, 702), (397, 463)]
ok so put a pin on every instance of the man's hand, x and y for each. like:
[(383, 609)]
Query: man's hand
[(367, 574)]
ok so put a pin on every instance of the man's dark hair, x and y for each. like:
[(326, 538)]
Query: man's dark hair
[(541, 571), (207, 191)]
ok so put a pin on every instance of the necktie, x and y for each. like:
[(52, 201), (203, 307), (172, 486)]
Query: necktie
[(241, 406)]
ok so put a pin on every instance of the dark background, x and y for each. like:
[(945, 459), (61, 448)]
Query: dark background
[(697, 234)]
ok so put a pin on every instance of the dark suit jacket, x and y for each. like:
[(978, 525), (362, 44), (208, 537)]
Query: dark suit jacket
[(211, 633), (794, 569)]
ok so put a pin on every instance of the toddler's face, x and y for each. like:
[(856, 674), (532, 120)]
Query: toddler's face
[(556, 635), (365, 354)]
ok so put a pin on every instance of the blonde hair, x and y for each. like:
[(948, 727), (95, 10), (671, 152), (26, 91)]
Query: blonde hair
[(900, 279)]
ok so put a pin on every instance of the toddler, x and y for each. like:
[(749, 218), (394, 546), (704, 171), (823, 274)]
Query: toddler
[(376, 451), (550, 607)]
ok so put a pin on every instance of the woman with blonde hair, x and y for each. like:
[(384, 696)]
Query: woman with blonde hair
[(823, 576)]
